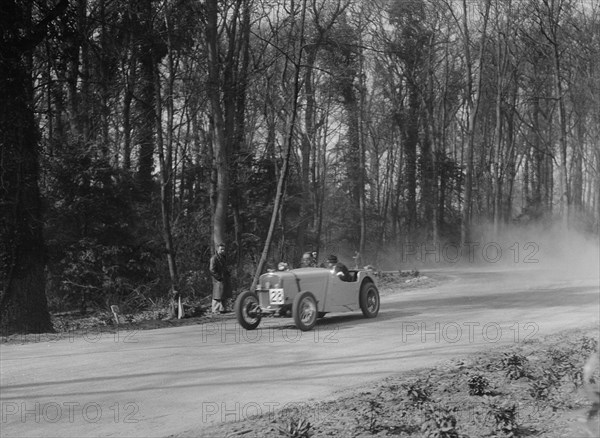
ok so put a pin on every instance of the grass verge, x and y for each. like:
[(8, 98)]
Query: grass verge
[(530, 390)]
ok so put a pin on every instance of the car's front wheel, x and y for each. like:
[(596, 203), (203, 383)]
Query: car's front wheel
[(305, 311), (247, 310), (369, 300)]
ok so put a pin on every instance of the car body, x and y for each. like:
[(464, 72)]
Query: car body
[(308, 293)]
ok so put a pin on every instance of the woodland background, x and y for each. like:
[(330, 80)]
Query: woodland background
[(136, 134)]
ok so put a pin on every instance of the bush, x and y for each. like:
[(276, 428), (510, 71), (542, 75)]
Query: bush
[(478, 385), (418, 392), (514, 365), (296, 428), (369, 416), (503, 415), (541, 388), (440, 422)]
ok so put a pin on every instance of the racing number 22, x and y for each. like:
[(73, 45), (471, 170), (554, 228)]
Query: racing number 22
[(276, 296)]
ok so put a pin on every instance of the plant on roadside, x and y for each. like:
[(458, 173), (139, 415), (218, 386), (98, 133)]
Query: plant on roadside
[(411, 273), (503, 414), (588, 345), (369, 416), (418, 392), (567, 364), (440, 422), (478, 385), (514, 365), (543, 386), (296, 428)]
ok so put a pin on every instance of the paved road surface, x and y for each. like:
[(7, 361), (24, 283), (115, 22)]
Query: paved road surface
[(168, 381)]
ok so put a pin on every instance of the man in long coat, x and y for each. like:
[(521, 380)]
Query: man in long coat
[(221, 281)]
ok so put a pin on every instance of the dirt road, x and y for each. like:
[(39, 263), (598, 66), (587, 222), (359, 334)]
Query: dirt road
[(169, 381)]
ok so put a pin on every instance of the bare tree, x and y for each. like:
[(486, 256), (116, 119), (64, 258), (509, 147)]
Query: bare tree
[(298, 32), (474, 80), (549, 21)]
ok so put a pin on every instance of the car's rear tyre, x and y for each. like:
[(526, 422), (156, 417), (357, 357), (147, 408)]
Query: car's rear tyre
[(305, 311), (247, 310), (369, 300)]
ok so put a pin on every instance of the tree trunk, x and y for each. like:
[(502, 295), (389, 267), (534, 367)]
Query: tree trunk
[(146, 102), (473, 107), (362, 201), (409, 128), (498, 161), (353, 155), (597, 194), (220, 146), (306, 149), (165, 158), (550, 30), (289, 143), (434, 144), (23, 304), (577, 183), (127, 99), (235, 91), (562, 142), (129, 66)]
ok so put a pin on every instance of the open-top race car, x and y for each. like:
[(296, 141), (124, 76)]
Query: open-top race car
[(308, 293)]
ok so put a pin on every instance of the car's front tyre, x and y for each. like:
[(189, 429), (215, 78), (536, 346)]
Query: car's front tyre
[(369, 300), (247, 310), (305, 311)]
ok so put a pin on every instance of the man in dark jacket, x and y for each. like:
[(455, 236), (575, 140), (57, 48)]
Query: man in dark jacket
[(338, 268), (221, 284)]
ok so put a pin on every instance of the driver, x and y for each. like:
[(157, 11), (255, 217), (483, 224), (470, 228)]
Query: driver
[(338, 268)]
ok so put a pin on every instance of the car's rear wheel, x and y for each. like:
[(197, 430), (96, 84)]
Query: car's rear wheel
[(305, 311), (369, 300), (247, 310)]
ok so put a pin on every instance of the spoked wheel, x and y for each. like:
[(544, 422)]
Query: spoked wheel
[(247, 310), (305, 311), (369, 300)]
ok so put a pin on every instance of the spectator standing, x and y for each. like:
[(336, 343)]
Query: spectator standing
[(221, 280)]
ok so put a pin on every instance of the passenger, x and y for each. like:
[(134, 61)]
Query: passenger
[(308, 261), (338, 268), (315, 257)]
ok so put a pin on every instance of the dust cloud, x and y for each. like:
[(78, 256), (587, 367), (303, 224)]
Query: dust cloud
[(548, 249)]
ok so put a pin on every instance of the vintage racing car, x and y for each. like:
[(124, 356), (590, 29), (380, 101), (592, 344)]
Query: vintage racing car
[(309, 293)]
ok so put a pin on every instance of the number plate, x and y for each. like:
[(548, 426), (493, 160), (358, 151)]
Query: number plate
[(276, 296)]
